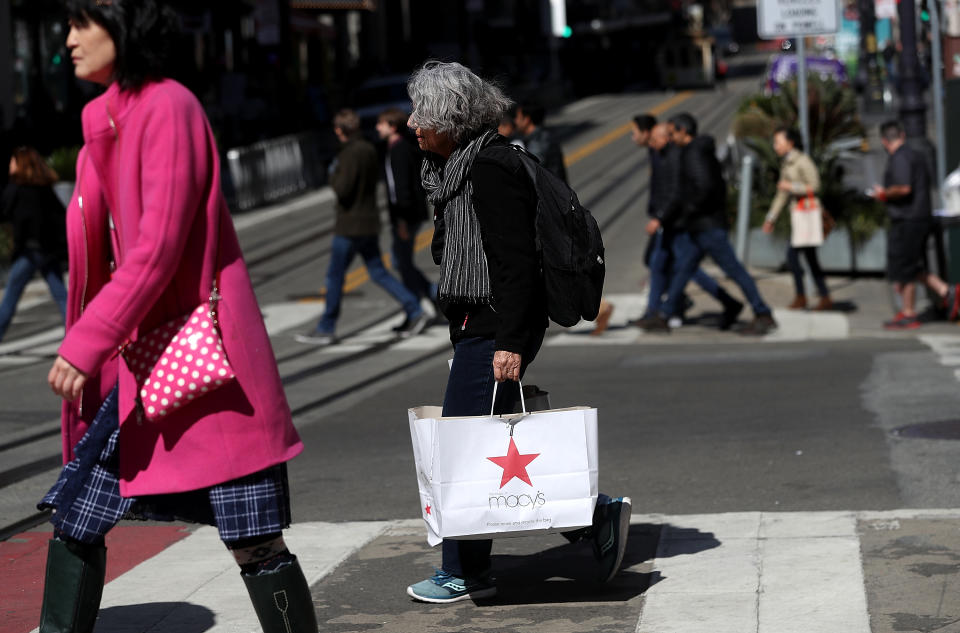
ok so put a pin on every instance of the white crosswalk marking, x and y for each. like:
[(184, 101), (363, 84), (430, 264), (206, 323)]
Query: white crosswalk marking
[(769, 573)]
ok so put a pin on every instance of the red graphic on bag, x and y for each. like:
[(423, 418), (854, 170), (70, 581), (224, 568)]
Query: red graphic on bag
[(514, 464)]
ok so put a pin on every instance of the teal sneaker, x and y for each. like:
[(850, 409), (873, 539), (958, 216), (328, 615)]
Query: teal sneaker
[(611, 525), (444, 587)]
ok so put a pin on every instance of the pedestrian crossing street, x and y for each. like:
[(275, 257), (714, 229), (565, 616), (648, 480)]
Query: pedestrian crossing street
[(789, 572), (285, 318)]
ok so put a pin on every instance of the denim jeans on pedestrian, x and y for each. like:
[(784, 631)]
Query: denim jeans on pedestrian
[(661, 270), (689, 249), (341, 254), (470, 392), (412, 277), (21, 271), (793, 262)]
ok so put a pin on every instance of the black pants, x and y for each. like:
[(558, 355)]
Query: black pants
[(793, 261)]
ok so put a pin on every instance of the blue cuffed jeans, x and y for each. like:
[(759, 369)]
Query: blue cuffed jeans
[(342, 252), (21, 272)]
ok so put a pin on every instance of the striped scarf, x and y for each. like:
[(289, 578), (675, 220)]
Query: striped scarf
[(464, 277)]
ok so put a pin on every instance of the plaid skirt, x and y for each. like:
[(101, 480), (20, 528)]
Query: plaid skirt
[(86, 499)]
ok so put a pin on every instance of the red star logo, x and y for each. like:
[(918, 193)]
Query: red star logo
[(514, 464), (428, 509)]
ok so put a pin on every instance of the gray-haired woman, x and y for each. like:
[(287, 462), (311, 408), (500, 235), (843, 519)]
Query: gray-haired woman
[(490, 288)]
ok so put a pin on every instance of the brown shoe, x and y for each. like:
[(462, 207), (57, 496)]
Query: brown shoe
[(825, 303), (799, 303), (761, 325), (603, 318)]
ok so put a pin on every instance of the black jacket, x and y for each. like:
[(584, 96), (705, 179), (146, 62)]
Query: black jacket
[(698, 194), (663, 179), (506, 203), (38, 219), (405, 195), (354, 181)]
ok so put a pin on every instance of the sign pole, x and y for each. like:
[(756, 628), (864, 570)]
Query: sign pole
[(803, 102), (937, 72)]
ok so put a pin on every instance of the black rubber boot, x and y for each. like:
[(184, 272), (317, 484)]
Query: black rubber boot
[(73, 587), (282, 600)]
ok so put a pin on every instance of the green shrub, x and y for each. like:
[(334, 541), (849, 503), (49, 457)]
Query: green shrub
[(64, 162)]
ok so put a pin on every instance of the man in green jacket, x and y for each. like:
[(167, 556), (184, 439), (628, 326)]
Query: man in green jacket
[(353, 178)]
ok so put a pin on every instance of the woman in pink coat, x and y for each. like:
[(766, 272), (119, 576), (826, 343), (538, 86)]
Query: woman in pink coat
[(148, 234)]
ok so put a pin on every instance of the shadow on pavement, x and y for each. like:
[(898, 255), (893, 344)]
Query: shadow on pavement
[(182, 617), (567, 573)]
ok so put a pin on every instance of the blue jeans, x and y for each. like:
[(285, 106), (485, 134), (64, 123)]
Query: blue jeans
[(689, 249), (413, 278), (21, 272), (341, 254), (661, 266), (470, 392)]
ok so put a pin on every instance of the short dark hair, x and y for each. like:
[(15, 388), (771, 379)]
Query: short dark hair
[(891, 130), (645, 121), (685, 121), (792, 134), (347, 120), (535, 111), (395, 118), (143, 32)]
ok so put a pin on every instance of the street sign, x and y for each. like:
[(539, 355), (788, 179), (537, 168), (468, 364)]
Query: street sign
[(795, 18)]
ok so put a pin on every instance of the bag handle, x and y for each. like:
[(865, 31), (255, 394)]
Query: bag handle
[(523, 404)]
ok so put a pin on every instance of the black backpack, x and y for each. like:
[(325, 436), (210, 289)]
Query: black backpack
[(570, 247)]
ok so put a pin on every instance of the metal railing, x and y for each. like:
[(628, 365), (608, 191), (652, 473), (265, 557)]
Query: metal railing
[(274, 169)]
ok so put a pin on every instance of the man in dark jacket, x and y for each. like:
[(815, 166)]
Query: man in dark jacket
[(664, 163), (538, 140), (696, 212), (354, 177), (407, 202)]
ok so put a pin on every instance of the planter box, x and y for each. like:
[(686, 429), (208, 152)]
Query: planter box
[(769, 251)]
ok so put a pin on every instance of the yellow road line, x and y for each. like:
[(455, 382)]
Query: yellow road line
[(360, 276), (594, 145)]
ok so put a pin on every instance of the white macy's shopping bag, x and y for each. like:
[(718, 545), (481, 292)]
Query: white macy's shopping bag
[(510, 475)]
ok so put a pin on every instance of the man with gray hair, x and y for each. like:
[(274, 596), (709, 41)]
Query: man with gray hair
[(353, 178)]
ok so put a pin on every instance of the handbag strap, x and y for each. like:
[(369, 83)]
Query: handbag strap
[(523, 404), (215, 295)]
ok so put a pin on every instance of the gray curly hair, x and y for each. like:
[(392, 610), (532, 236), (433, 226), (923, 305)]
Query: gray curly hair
[(449, 98)]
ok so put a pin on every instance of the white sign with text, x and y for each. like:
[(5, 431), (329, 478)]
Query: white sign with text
[(793, 18)]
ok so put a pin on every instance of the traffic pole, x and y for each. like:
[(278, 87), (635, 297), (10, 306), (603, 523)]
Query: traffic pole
[(803, 102), (937, 71), (912, 107)]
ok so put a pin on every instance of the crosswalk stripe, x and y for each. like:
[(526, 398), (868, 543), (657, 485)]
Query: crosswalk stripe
[(792, 572), (194, 585)]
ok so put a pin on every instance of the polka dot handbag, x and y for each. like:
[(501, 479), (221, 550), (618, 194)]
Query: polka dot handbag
[(179, 362)]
